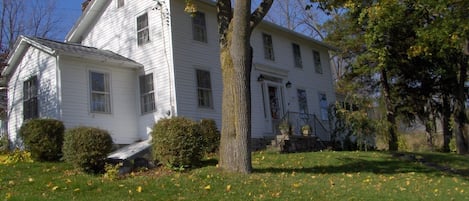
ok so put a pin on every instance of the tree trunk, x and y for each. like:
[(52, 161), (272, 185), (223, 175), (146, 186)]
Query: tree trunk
[(445, 121), (390, 112), (235, 146), (460, 112)]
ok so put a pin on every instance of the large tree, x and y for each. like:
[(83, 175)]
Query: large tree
[(415, 48), (235, 25)]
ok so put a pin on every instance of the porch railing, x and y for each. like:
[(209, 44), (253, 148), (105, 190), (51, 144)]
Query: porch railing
[(298, 120)]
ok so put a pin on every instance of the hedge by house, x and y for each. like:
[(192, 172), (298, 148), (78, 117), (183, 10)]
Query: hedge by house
[(177, 142), (210, 134), (43, 138), (87, 148)]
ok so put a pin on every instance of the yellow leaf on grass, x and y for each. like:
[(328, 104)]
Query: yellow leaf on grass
[(76, 190), (55, 188), (30, 179), (207, 187), (228, 187), (68, 181), (139, 189)]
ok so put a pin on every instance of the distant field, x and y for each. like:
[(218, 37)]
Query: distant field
[(299, 176)]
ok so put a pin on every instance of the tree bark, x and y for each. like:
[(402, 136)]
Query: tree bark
[(445, 121), (235, 27), (460, 111), (390, 112)]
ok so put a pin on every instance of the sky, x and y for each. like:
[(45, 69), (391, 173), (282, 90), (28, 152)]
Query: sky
[(69, 11)]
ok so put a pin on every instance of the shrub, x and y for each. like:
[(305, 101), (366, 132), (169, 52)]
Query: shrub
[(4, 145), (177, 142), (87, 148), (43, 138), (210, 134)]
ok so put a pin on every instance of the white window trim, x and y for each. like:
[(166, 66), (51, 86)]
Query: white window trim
[(211, 106), (90, 92), (143, 112), (205, 39), (143, 29)]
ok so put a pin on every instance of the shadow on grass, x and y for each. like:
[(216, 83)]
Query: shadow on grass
[(389, 165)]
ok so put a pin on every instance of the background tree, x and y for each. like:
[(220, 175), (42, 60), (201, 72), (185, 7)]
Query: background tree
[(235, 25), (415, 49), (24, 17)]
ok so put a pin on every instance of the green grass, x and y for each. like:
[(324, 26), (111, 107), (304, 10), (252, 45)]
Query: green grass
[(300, 176)]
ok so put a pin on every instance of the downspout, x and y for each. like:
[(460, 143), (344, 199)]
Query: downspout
[(164, 9), (58, 78)]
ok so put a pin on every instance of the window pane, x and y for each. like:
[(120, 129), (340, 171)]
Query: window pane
[(268, 47), (97, 82), (323, 106), (120, 3), (100, 96), (297, 55), (147, 99), (30, 103), (204, 91), (302, 101), (199, 30), (317, 62), (143, 32)]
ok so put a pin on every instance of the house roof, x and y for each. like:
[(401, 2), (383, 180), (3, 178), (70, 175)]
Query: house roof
[(56, 48), (96, 8)]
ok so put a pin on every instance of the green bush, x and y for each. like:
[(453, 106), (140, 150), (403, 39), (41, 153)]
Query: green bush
[(87, 148), (177, 142), (4, 145), (43, 138), (210, 134)]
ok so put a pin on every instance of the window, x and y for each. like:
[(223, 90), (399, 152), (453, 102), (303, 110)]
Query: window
[(100, 96), (143, 32), (199, 30), (297, 55), (323, 106), (302, 101), (268, 47), (317, 62), (147, 93), (204, 89), (120, 3), (30, 104)]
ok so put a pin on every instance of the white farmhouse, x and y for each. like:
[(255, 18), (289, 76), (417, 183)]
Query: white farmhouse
[(127, 63)]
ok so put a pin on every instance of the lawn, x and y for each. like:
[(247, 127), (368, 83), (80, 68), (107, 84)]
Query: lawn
[(299, 176)]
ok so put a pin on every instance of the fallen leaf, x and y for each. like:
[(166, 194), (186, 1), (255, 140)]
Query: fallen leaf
[(139, 189), (207, 187)]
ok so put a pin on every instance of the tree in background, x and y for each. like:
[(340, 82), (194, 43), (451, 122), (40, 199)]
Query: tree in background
[(412, 52), (23, 17), (235, 25)]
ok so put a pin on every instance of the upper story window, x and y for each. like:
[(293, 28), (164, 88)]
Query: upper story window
[(268, 47), (199, 29), (147, 94), (143, 31), (30, 103), (317, 62), (297, 55), (204, 89), (100, 94), (120, 3)]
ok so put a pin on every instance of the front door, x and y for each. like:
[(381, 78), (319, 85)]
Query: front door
[(273, 105)]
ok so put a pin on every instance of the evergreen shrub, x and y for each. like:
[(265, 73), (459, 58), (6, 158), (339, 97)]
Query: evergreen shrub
[(177, 142), (87, 148), (210, 135), (43, 138)]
